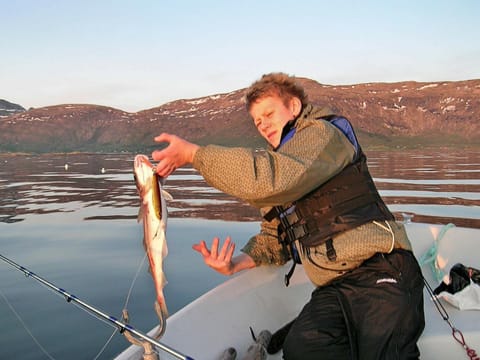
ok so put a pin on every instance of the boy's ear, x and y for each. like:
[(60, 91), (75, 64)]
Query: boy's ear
[(295, 106)]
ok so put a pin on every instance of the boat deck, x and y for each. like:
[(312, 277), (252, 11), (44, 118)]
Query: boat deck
[(220, 315)]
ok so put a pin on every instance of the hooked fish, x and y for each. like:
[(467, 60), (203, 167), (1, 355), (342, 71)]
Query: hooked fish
[(153, 214)]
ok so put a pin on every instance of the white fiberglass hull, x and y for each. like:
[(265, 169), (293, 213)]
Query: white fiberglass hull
[(258, 298)]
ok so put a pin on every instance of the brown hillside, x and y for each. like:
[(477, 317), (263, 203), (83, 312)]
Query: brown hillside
[(387, 114)]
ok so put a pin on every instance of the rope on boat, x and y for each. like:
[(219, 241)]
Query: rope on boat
[(456, 333), (430, 256), (111, 320)]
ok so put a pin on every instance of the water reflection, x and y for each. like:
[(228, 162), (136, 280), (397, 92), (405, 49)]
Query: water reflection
[(436, 187), (70, 227)]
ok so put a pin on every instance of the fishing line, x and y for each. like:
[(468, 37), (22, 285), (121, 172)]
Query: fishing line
[(127, 299), (134, 280), (19, 318), (105, 345), (33, 336), (103, 348), (97, 313)]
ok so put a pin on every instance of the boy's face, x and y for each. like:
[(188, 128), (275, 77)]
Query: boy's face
[(270, 115)]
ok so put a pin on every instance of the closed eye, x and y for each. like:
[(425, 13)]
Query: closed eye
[(261, 120)]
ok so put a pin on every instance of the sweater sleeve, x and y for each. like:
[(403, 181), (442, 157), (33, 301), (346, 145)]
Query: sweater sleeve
[(317, 152), (264, 247)]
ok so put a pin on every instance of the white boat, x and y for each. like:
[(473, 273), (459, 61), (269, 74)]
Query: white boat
[(258, 298)]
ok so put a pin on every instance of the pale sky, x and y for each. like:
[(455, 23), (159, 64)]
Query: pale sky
[(138, 54)]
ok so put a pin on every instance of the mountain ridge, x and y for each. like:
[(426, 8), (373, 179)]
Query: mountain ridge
[(401, 114), (8, 108)]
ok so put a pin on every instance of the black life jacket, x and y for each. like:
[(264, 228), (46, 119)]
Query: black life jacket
[(347, 200)]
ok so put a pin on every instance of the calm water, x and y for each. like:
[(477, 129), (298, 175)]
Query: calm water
[(77, 228)]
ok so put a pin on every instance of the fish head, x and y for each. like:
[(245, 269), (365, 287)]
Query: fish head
[(143, 171), (149, 186)]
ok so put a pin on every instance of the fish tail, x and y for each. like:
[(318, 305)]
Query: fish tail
[(162, 313), (162, 304)]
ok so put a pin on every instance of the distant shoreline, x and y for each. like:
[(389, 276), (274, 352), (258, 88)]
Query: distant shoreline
[(376, 147)]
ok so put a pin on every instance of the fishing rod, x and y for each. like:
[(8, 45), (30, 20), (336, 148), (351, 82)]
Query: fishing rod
[(94, 311)]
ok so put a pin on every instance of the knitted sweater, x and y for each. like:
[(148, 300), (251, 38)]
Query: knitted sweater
[(268, 177)]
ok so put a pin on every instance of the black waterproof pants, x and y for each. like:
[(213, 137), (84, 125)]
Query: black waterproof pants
[(373, 312)]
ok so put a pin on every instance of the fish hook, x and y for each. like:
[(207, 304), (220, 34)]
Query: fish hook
[(149, 352)]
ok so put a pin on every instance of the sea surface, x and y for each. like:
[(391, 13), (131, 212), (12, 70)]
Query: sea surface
[(72, 220)]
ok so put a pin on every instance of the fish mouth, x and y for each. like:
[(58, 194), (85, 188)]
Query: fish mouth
[(141, 169), (141, 159)]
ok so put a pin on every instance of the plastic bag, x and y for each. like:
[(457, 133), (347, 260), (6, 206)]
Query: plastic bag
[(463, 290)]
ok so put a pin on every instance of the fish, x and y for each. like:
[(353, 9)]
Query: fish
[(154, 215)]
